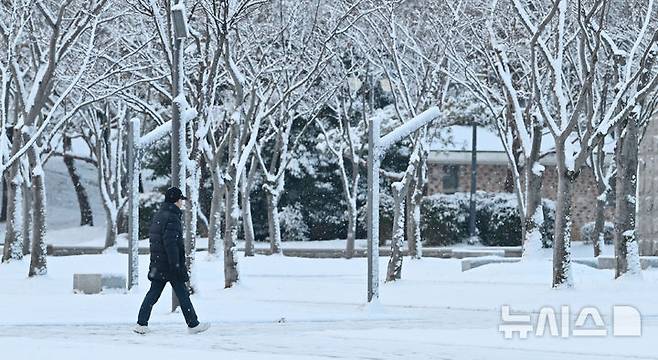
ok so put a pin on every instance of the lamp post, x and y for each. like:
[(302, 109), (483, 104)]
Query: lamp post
[(376, 147), (133, 202), (474, 172), (178, 144)]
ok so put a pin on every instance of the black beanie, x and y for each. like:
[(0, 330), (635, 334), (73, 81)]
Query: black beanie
[(173, 194)]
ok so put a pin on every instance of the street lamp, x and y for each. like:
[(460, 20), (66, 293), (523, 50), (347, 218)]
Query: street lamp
[(180, 21), (377, 146), (178, 143)]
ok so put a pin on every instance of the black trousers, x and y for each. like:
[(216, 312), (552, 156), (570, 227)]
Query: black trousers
[(153, 295)]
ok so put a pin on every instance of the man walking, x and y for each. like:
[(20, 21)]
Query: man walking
[(168, 263)]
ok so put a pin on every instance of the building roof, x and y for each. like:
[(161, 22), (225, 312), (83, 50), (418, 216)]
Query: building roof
[(453, 144), (459, 138)]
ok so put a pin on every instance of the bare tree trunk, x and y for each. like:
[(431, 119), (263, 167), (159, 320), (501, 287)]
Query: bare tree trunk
[(415, 198), (216, 209), (108, 198), (231, 275), (38, 265), (627, 163), (508, 187), (417, 252), (534, 217), (13, 235), (247, 220), (27, 218), (274, 222), (86, 215), (3, 210), (351, 228), (350, 197), (408, 215), (598, 235), (562, 244), (112, 229), (191, 219), (395, 262), (603, 187)]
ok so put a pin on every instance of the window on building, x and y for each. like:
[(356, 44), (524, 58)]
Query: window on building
[(450, 179)]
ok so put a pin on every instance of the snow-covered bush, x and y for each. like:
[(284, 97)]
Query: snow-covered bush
[(293, 226), (498, 219), (444, 219), (587, 230)]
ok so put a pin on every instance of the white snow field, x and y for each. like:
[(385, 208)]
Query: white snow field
[(291, 308)]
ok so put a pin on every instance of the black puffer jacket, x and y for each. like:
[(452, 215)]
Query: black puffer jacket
[(167, 248)]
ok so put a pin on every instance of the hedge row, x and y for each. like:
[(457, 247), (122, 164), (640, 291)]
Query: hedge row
[(444, 219)]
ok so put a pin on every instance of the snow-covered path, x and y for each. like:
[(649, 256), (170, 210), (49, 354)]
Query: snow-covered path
[(290, 308), (455, 334)]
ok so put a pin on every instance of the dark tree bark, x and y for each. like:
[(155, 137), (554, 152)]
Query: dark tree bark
[(3, 211), (38, 264), (599, 224), (562, 244), (534, 218), (86, 215), (13, 233), (216, 211), (395, 262), (508, 187), (602, 187), (247, 219), (5, 188), (232, 212), (27, 219), (413, 208), (627, 152)]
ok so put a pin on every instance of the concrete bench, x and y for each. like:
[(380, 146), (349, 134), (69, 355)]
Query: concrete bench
[(472, 253), (591, 262), (608, 262), (97, 283), (468, 264), (53, 250)]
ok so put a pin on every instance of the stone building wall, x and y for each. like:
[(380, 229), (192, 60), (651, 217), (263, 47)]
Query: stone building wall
[(489, 178), (492, 178)]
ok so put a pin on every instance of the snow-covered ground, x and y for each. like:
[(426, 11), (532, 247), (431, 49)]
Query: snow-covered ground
[(290, 308)]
